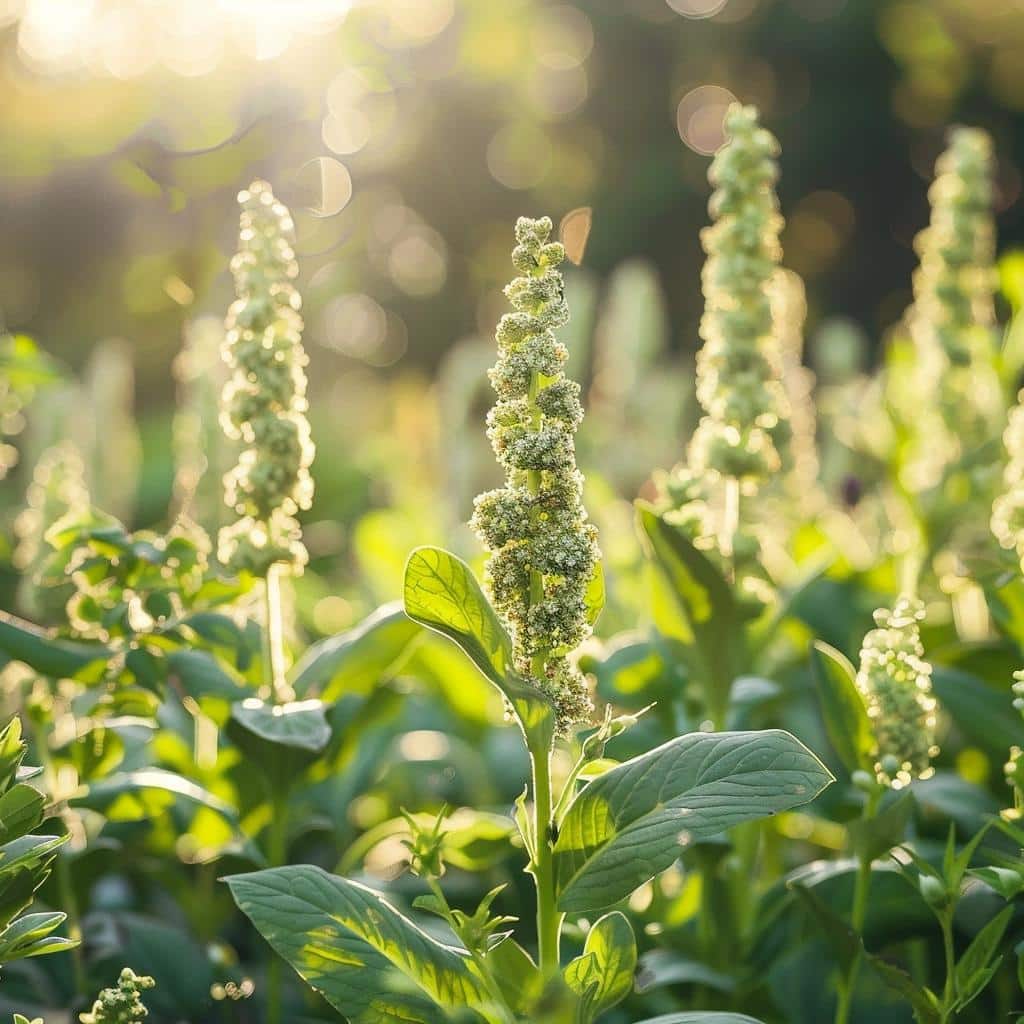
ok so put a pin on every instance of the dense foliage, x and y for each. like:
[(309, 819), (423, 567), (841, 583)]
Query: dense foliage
[(631, 776)]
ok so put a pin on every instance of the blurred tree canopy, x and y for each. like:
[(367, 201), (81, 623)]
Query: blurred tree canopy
[(408, 135)]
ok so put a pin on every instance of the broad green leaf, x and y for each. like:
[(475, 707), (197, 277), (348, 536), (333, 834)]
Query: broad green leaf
[(984, 714), (442, 594), (201, 674), (603, 973), (843, 708), (280, 740), (50, 656), (661, 967), (632, 822), (300, 724), (974, 969), (705, 600), (149, 793), (368, 961), (516, 974), (357, 660)]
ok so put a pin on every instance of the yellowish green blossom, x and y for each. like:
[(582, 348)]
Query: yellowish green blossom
[(264, 402), (544, 552), (895, 682)]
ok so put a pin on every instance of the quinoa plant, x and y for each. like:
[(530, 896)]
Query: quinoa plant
[(544, 553), (734, 451), (264, 406), (589, 842), (882, 720)]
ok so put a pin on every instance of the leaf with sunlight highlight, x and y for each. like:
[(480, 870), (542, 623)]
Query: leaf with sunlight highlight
[(632, 822), (367, 960)]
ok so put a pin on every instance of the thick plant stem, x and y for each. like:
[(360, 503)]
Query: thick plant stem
[(549, 920), (274, 664), (862, 886)]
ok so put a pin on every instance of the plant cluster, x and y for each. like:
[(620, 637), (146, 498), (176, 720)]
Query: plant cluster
[(695, 808)]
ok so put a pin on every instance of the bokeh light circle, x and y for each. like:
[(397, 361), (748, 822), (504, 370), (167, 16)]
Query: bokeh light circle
[(700, 117)]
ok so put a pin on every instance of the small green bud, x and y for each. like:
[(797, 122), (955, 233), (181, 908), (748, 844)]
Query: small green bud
[(933, 891), (864, 781), (426, 845)]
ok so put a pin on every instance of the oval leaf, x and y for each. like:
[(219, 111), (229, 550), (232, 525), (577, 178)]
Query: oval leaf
[(367, 960), (359, 659), (603, 974), (632, 822), (442, 594)]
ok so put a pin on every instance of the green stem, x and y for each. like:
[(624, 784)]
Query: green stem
[(861, 888), (274, 662), (549, 921), (949, 993)]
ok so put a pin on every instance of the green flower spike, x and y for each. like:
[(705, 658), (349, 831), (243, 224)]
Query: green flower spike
[(737, 367), (895, 681), (956, 280), (953, 315), (544, 552), (1007, 522), (123, 1004), (265, 399)]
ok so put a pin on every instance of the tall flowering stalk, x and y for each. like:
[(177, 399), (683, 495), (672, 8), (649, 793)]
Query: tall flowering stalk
[(733, 451), (895, 682), (737, 374), (544, 552), (955, 283), (264, 406), (952, 317), (1007, 522), (264, 402)]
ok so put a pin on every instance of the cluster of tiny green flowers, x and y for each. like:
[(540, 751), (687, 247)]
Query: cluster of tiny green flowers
[(543, 550), (1007, 520), (956, 279), (737, 367), (264, 402), (123, 1004), (895, 682)]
